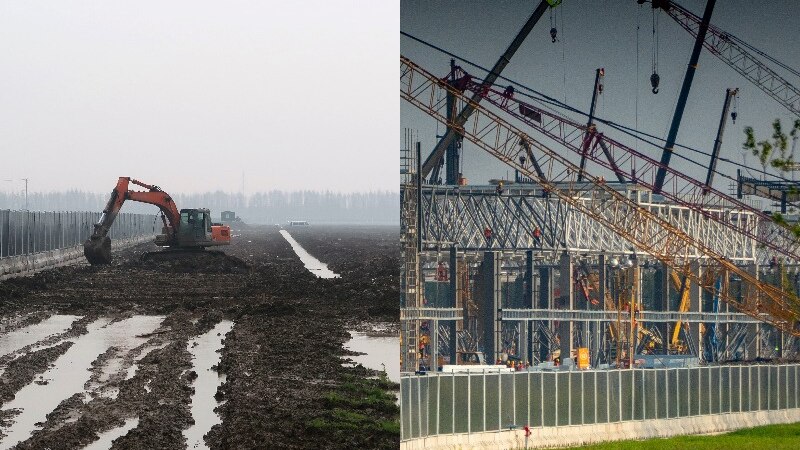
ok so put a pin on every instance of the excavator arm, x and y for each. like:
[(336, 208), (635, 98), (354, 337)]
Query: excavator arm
[(97, 248)]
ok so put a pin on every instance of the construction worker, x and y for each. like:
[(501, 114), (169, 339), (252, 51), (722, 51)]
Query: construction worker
[(441, 272), (499, 188), (537, 236), (487, 233)]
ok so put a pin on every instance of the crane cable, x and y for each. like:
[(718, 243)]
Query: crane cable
[(563, 55), (636, 89), (654, 78)]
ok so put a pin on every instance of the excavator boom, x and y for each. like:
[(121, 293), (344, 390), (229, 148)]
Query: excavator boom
[(185, 228)]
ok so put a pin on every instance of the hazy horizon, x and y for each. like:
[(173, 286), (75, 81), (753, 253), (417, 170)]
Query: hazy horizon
[(261, 207), (192, 96)]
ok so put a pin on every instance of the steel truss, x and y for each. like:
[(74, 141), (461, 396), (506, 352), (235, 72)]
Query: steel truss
[(459, 214), (649, 233), (629, 165)]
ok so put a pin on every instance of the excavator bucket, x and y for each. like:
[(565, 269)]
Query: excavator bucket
[(98, 250)]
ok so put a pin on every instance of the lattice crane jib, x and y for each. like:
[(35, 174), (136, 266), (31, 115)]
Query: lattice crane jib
[(629, 165), (649, 233), (735, 54)]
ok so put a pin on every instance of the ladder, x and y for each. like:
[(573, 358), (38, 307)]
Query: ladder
[(411, 285)]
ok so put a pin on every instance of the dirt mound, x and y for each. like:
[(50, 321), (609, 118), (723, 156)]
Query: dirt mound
[(194, 261)]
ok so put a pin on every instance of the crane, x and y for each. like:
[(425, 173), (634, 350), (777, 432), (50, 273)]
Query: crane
[(187, 228), (649, 233), (450, 136), (631, 165), (740, 56)]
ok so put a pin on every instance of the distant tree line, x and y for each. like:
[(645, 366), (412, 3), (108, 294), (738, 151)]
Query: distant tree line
[(382, 207)]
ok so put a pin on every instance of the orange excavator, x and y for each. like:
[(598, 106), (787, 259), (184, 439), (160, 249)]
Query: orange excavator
[(187, 229)]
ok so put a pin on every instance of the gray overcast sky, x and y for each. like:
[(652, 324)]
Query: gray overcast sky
[(190, 94), (604, 34)]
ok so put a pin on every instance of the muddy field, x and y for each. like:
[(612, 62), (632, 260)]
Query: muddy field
[(115, 357)]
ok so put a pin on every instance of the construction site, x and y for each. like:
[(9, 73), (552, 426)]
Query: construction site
[(585, 274), (251, 343)]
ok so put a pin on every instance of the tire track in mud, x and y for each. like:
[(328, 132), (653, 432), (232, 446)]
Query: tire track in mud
[(282, 358), (157, 395), (52, 401), (22, 366)]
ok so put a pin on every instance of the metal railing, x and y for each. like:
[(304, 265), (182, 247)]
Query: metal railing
[(449, 403), (29, 232)]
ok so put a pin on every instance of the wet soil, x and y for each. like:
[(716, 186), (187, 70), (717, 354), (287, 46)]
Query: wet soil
[(285, 385), (367, 258), (22, 371)]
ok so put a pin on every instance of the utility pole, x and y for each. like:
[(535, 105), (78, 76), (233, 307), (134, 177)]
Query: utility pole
[(26, 193)]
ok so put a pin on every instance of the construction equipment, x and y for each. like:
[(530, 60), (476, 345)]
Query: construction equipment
[(649, 233), (462, 117), (187, 229), (740, 56), (630, 165), (684, 94)]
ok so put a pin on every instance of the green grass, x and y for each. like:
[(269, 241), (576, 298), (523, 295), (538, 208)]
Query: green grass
[(772, 437), (359, 404)]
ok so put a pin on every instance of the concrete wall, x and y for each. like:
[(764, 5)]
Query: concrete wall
[(31, 241), (570, 408)]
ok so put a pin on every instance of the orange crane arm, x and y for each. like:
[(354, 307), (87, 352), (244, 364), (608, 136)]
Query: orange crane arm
[(98, 247)]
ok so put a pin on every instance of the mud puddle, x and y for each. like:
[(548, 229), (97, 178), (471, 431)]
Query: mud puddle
[(31, 334), (381, 351), (71, 371), (204, 350), (107, 438), (313, 265)]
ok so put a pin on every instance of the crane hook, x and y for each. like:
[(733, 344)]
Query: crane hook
[(553, 34), (654, 80)]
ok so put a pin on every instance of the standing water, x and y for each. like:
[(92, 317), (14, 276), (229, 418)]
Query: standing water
[(17, 339), (204, 357), (107, 438), (381, 350), (313, 265), (71, 371)]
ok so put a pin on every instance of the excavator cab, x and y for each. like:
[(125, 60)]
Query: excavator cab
[(197, 230)]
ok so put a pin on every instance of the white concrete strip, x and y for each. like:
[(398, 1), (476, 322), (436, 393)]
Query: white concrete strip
[(313, 265), (24, 265)]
